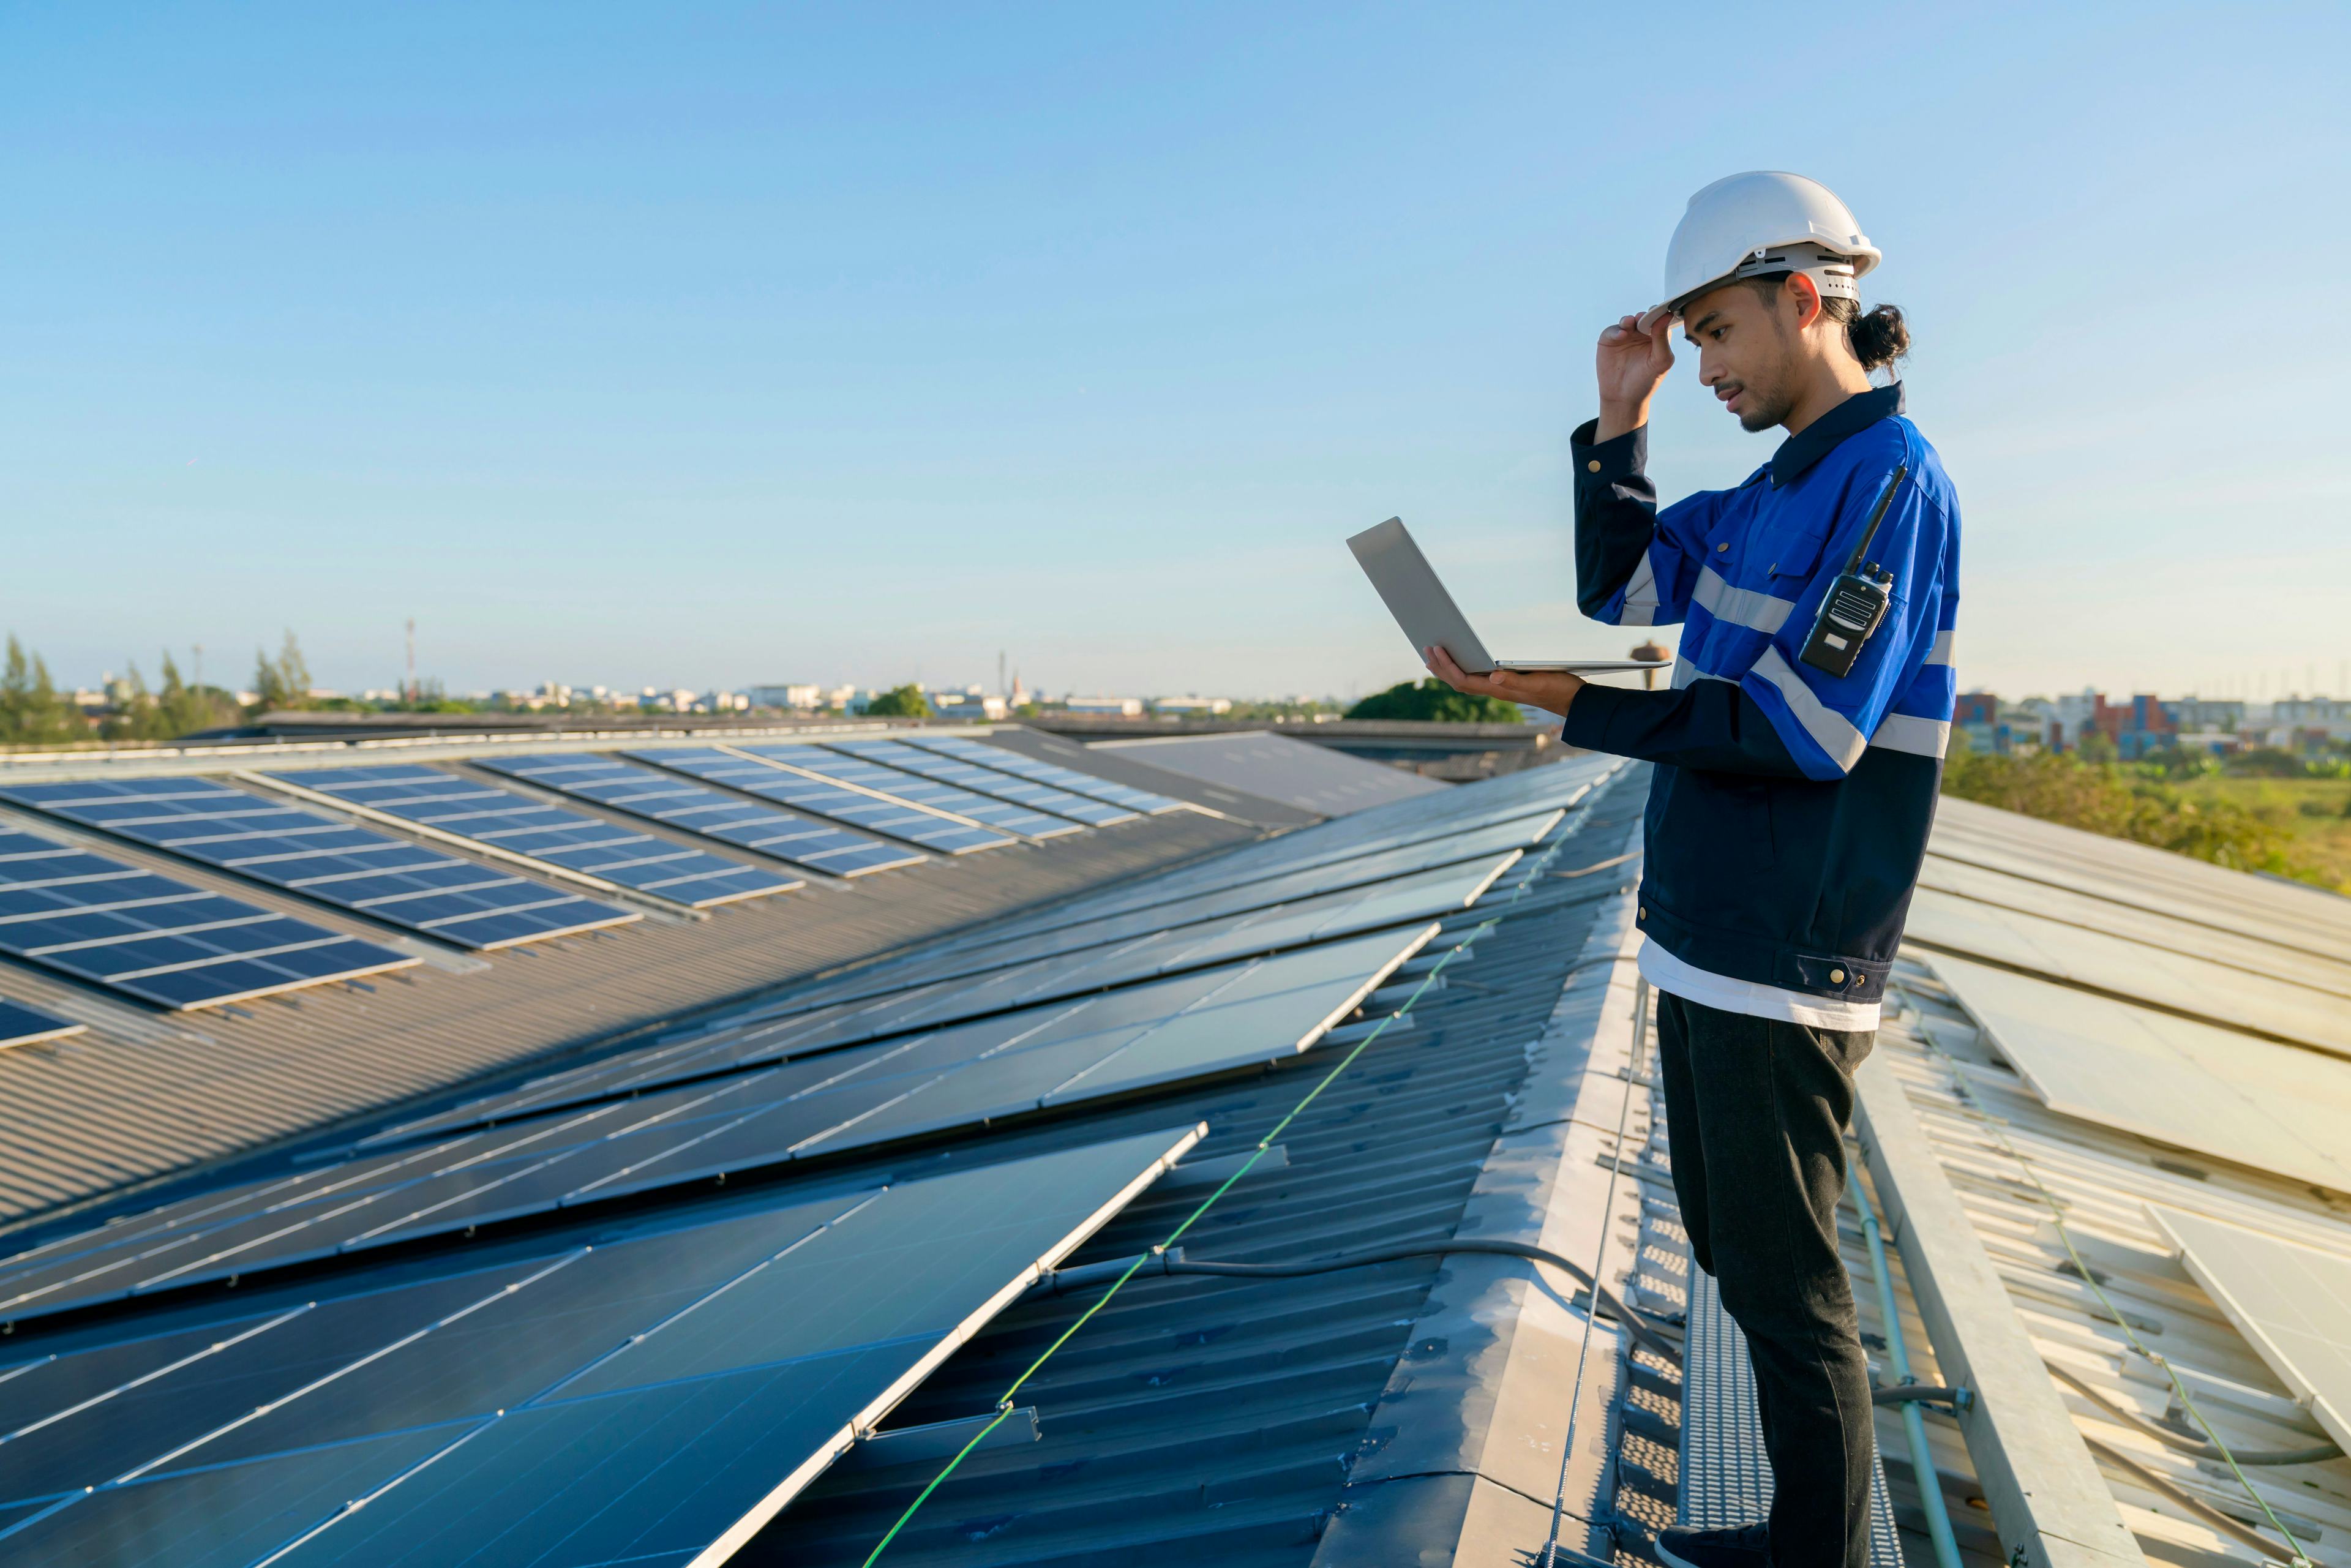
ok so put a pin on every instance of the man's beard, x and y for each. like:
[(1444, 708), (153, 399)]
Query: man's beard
[(1764, 410)]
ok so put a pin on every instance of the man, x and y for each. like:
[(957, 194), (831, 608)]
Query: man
[(1798, 760)]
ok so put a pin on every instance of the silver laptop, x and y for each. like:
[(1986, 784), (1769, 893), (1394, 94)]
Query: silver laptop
[(1415, 598)]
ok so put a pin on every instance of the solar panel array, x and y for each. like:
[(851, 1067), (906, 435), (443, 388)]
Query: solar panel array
[(396, 881), (1004, 759), (21, 1025), (2167, 976), (1063, 962), (2193, 1085), (592, 1381), (158, 938), (915, 789), (694, 808), (820, 1096), (987, 781), (500, 819), (2292, 1302), (939, 834), (636, 1397)]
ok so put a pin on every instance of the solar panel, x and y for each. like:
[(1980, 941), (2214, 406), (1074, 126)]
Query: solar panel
[(980, 780), (2172, 932), (940, 835), (500, 819), (1064, 963), (2272, 1107), (158, 938), (1350, 965), (695, 808), (2271, 911), (21, 1025), (396, 881), (1004, 759), (2292, 1302), (927, 793), (1466, 807), (2164, 977), (804, 1098), (1128, 911), (647, 1398)]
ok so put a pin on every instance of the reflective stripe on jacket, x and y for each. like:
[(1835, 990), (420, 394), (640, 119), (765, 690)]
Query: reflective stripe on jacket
[(1790, 810)]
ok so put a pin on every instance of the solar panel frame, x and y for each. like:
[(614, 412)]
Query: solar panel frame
[(914, 790), (21, 1025), (971, 775), (809, 1102), (1004, 759), (848, 1034), (685, 804), (2292, 1302), (2123, 966), (729, 769), (167, 942), (757, 1342), (2192, 1085), (495, 819), (396, 881)]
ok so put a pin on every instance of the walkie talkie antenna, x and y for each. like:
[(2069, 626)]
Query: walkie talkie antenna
[(1878, 516)]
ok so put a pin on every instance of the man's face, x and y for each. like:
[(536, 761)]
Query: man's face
[(1747, 350)]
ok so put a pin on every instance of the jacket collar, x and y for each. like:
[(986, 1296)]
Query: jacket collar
[(1818, 439)]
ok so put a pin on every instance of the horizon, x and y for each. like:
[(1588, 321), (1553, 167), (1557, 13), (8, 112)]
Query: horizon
[(739, 346)]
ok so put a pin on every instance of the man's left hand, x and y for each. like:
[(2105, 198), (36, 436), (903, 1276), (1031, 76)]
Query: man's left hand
[(1549, 690)]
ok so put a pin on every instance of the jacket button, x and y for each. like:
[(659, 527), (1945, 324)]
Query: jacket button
[(1836, 977), (1644, 912), (1593, 466), (1722, 549)]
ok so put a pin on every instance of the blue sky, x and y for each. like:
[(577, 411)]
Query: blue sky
[(710, 345)]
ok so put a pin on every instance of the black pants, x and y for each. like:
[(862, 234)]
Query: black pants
[(1757, 1111)]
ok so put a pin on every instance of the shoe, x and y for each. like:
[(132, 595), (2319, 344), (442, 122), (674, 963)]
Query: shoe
[(1749, 1546)]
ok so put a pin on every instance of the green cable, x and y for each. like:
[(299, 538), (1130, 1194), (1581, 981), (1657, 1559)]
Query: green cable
[(1004, 1405), (1992, 1123)]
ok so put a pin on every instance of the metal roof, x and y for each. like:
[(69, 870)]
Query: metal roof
[(1426, 1409), (140, 1095)]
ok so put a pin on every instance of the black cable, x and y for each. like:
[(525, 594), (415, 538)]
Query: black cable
[(1635, 1324), (2236, 1530), (2316, 1453)]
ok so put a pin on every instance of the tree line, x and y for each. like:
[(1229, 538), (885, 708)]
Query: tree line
[(34, 712)]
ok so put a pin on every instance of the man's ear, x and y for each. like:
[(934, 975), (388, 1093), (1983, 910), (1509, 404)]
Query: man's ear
[(1806, 296)]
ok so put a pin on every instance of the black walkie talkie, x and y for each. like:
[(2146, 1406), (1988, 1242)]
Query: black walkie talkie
[(1856, 602)]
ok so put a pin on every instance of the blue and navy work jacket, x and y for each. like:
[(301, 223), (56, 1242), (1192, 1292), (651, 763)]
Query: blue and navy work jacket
[(1789, 813)]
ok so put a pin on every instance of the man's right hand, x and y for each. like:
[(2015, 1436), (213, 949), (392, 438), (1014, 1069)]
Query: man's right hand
[(1632, 360)]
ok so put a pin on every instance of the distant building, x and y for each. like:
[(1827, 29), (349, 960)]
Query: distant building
[(1977, 715), (973, 706), (2207, 714), (2138, 728), (2312, 721), (1192, 706), (797, 695), (1110, 707)]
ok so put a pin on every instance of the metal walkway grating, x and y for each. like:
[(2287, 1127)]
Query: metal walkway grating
[(1725, 1479)]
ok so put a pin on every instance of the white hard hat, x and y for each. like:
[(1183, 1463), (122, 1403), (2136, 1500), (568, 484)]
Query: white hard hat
[(1764, 222)]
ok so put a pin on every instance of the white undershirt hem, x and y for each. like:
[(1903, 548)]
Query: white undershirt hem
[(1669, 974)]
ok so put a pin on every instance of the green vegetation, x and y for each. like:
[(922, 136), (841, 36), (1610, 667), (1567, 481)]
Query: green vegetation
[(178, 709), (1435, 701), (2191, 805), (283, 683), (32, 711), (899, 702)]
